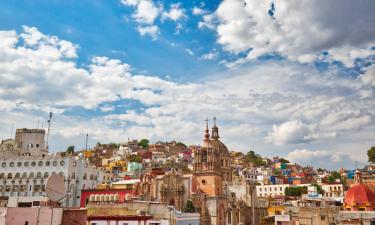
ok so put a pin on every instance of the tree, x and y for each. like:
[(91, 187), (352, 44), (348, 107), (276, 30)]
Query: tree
[(70, 150), (189, 207), (371, 154), (295, 191), (135, 158), (334, 176), (181, 144), (143, 143), (253, 158), (282, 160)]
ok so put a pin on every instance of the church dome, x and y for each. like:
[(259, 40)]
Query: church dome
[(360, 194), (219, 146)]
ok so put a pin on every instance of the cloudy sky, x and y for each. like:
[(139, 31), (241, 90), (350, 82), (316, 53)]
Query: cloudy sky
[(290, 78)]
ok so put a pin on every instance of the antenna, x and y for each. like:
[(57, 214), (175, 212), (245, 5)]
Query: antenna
[(49, 129), (87, 137)]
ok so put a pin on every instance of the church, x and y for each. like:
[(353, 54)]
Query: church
[(211, 176)]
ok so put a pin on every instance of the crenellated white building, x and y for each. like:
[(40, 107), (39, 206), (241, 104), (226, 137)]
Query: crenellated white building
[(23, 178)]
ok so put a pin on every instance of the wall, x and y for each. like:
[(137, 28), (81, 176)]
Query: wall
[(46, 216), (74, 216)]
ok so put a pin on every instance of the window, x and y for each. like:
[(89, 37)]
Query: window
[(31, 175), (26, 222), (26, 164), (46, 174), (48, 163), (18, 175), (39, 175), (85, 176), (322, 217), (73, 176), (33, 163), (11, 164), (36, 203), (62, 163), (37, 145), (40, 163), (203, 181), (4, 164), (2, 175), (19, 164), (54, 163), (10, 176), (24, 175)]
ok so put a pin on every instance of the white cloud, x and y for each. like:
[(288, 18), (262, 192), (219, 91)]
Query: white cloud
[(369, 76), (321, 159), (210, 56), (175, 13), (291, 104), (208, 22), (199, 11), (153, 31), (146, 12), (290, 132), (298, 30), (189, 51)]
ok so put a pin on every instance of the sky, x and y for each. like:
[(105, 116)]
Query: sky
[(283, 78)]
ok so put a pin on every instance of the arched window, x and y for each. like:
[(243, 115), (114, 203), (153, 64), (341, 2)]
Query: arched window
[(10, 176), (46, 174), (39, 175), (2, 175), (40, 163), (85, 176), (24, 175), (31, 175), (17, 175), (73, 175)]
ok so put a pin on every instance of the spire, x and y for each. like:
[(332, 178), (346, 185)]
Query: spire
[(207, 132), (358, 177), (215, 131)]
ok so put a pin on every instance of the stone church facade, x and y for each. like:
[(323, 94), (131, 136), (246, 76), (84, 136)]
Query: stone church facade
[(211, 176)]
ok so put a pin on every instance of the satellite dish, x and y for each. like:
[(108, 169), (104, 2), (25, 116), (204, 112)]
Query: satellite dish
[(55, 187)]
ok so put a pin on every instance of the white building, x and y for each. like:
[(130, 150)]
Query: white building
[(333, 190), (23, 178), (273, 190)]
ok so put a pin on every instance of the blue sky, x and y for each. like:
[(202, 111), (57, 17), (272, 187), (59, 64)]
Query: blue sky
[(297, 81), (106, 28)]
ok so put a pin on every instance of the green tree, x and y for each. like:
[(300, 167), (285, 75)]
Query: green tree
[(180, 144), (256, 159), (70, 150), (334, 176), (371, 154), (282, 160), (143, 143), (189, 207), (135, 158), (295, 191)]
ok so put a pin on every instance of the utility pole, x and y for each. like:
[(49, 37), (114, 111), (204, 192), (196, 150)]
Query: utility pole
[(49, 129)]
